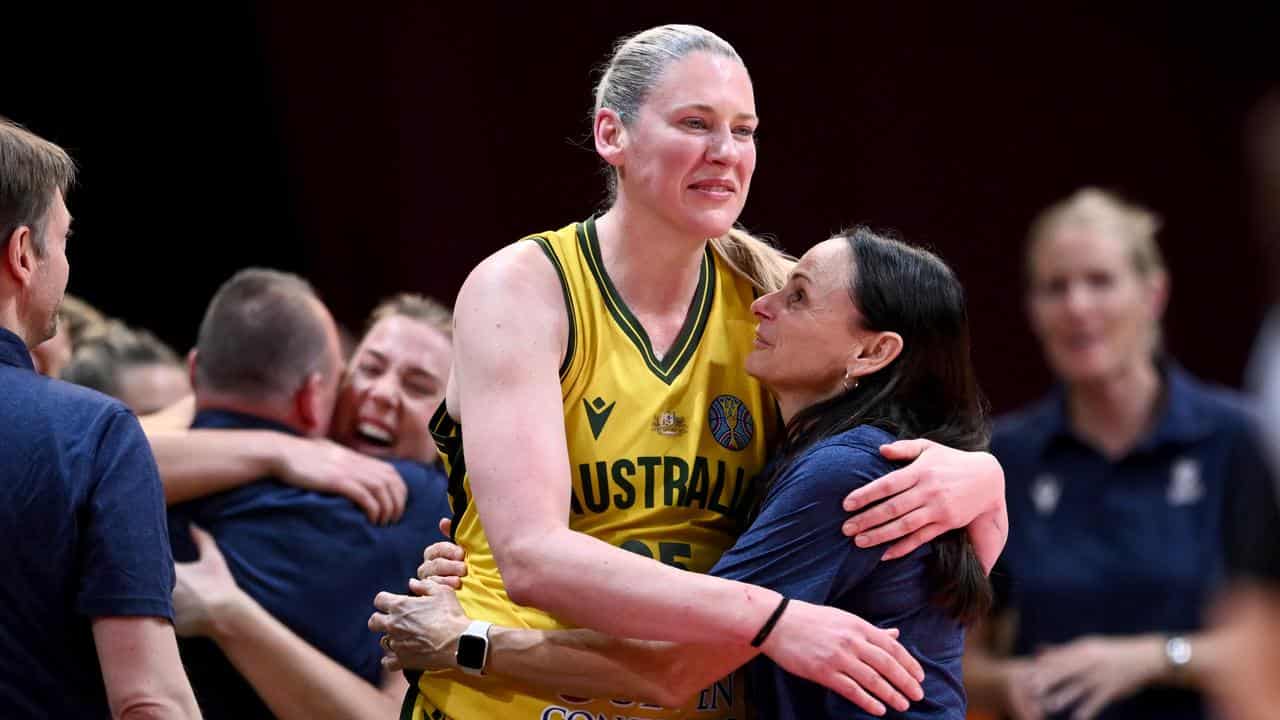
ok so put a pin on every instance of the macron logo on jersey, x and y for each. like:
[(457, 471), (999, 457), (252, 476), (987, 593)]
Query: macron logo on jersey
[(597, 414)]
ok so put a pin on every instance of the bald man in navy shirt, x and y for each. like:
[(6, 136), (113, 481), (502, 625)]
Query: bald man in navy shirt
[(268, 358)]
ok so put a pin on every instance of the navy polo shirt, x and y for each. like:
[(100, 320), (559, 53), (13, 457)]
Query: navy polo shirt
[(313, 561), (796, 547), (1126, 547), (82, 527)]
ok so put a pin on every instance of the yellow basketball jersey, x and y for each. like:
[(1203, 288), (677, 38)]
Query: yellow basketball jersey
[(664, 454)]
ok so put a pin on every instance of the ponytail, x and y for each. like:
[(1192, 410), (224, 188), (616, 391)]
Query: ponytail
[(754, 259)]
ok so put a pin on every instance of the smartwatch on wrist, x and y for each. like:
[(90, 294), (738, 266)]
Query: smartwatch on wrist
[(1177, 652), (473, 647)]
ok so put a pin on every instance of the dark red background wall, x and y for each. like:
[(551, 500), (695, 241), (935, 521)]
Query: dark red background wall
[(377, 150)]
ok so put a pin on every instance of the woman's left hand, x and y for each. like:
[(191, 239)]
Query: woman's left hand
[(942, 489), (443, 562), (421, 629), (1092, 672)]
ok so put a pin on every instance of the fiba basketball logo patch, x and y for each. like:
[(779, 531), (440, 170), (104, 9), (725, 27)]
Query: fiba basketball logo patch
[(730, 422)]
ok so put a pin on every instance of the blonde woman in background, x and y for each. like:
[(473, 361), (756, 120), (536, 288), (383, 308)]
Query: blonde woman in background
[(1116, 489), (77, 321)]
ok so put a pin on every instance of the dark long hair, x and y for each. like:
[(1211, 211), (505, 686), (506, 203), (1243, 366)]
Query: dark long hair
[(929, 391)]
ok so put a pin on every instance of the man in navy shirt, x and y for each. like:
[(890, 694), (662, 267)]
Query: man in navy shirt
[(268, 358), (85, 609)]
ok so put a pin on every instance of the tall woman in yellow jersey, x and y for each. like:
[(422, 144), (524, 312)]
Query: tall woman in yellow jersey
[(598, 378)]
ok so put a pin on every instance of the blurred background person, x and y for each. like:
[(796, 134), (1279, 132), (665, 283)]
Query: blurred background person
[(77, 320), (1262, 147), (131, 365), (395, 379), (392, 383), (1116, 486), (268, 358), (378, 454), (1248, 616)]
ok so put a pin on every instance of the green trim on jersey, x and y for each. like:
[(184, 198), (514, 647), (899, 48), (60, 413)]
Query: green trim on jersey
[(448, 438), (568, 302), (678, 355)]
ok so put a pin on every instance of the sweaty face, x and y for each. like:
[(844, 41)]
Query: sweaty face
[(49, 283), (690, 153), (393, 384), (1092, 311), (808, 329)]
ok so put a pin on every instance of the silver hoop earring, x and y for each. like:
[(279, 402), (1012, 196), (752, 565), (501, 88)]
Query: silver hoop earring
[(844, 382)]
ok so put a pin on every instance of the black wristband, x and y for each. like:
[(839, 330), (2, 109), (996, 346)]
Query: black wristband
[(768, 624)]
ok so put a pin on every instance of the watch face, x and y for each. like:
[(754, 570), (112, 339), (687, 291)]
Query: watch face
[(471, 650), (1178, 651)]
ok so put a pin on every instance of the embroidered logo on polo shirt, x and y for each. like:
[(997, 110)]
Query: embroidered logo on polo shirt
[(1185, 486), (1045, 493)]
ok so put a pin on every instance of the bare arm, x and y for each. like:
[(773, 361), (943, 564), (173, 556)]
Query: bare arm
[(297, 681), (599, 665), (294, 679), (423, 633), (198, 463), (423, 630), (141, 669), (1247, 621), (510, 334), (177, 416), (994, 681), (989, 532)]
